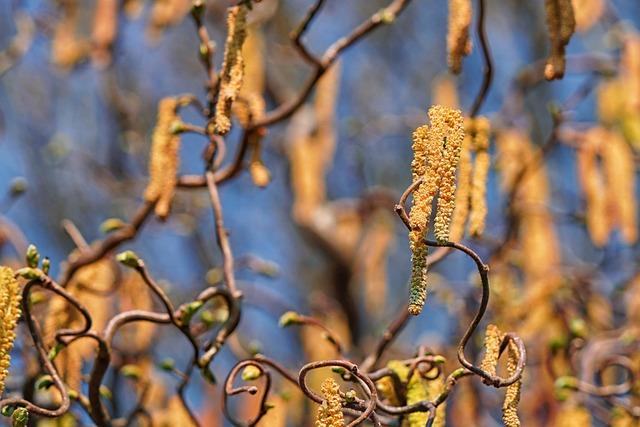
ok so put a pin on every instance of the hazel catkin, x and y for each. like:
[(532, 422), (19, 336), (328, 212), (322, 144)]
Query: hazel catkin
[(232, 72), (164, 161), (10, 298), (458, 42), (561, 24), (330, 411)]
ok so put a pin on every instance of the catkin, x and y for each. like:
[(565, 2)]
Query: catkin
[(420, 214), (561, 25), (477, 217), (619, 169), (436, 153), (512, 396), (165, 13), (232, 72), (105, 28), (587, 13), (10, 297), (630, 70), (251, 105), (492, 341), (593, 185), (165, 160), (458, 42), (67, 49), (330, 411), (447, 129), (463, 192)]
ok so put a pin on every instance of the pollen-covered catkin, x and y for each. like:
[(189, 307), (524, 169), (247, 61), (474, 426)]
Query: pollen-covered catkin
[(447, 131), (458, 42), (105, 29), (436, 155), (619, 169), (587, 13), (492, 341), (477, 217), (512, 397), (164, 161), (561, 24), (232, 72), (424, 166), (463, 192), (591, 180), (10, 298), (330, 411)]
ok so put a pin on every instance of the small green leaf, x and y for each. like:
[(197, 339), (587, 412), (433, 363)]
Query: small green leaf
[(167, 364), (112, 224), (44, 382), (32, 256), (289, 318), (251, 373), (129, 258)]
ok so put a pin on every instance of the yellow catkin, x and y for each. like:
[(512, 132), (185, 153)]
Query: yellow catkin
[(458, 42), (420, 213), (434, 388), (587, 13), (166, 13), (133, 294), (492, 341), (561, 25), (10, 297), (610, 101), (463, 192), (105, 29), (67, 49), (630, 70), (592, 182), (571, 415), (477, 217), (232, 72), (619, 169), (447, 131), (512, 396), (621, 418), (436, 153), (164, 159), (330, 411), (251, 105), (260, 175)]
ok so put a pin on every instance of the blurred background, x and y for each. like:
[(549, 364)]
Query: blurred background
[(76, 121)]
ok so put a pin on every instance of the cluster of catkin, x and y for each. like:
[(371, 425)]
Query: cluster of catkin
[(232, 73), (492, 343), (606, 172), (561, 24), (436, 151), (10, 298), (458, 41), (330, 411), (164, 159), (471, 191)]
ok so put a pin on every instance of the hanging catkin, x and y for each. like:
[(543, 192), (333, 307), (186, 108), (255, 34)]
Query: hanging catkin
[(330, 411), (458, 42), (592, 182), (477, 217), (436, 154), (561, 25), (512, 396), (232, 72), (105, 29), (619, 169), (10, 297), (587, 13), (165, 160)]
